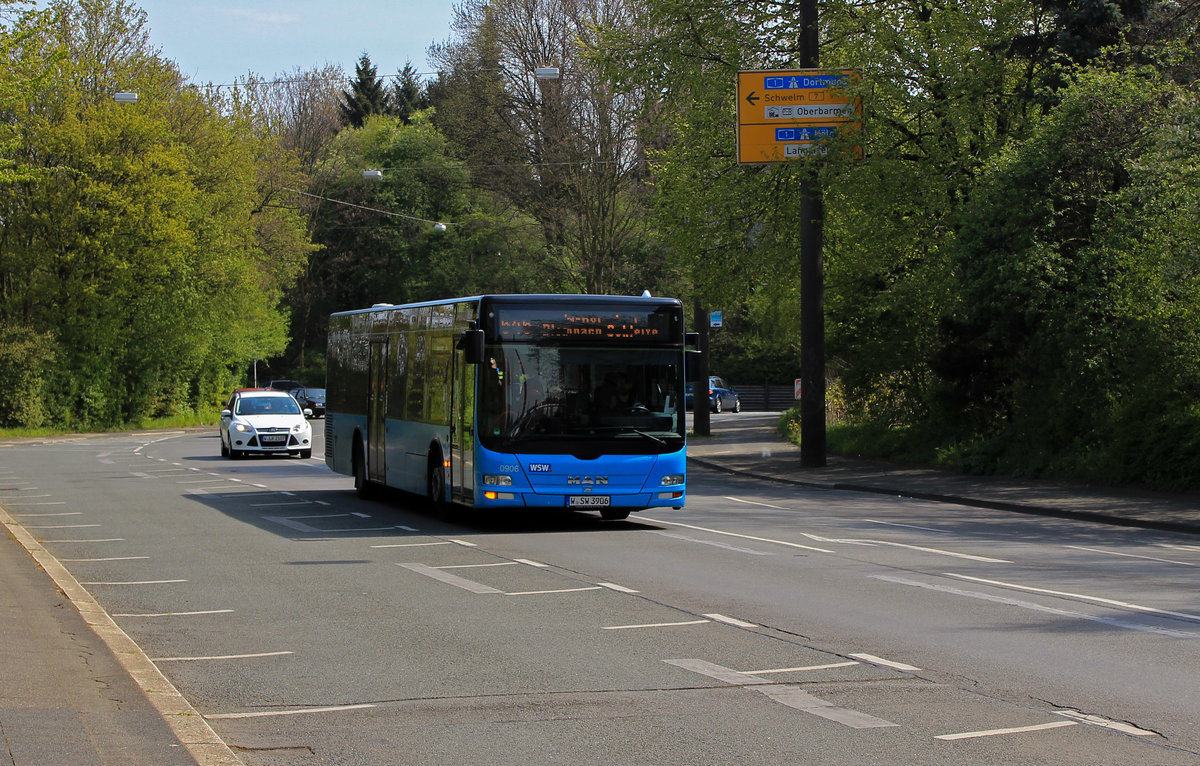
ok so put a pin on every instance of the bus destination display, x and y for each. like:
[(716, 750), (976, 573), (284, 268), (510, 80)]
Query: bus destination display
[(619, 325)]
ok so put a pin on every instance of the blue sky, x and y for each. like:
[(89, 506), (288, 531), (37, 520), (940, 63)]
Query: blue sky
[(219, 41)]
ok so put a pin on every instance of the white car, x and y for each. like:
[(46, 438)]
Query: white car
[(267, 422)]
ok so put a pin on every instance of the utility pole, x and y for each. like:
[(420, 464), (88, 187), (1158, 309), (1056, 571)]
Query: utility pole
[(812, 279)]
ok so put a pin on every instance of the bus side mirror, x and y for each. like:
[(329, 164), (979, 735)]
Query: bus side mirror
[(691, 367), (471, 344), (691, 339)]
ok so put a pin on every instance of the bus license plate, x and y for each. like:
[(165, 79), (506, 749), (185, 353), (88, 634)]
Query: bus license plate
[(588, 501)]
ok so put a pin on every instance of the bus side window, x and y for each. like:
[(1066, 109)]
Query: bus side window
[(416, 377)]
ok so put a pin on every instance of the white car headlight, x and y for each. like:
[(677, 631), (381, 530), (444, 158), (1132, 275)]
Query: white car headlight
[(241, 427)]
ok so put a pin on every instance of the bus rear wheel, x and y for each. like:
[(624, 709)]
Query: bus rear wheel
[(435, 481), (362, 485)]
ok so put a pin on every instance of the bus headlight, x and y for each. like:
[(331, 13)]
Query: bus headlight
[(497, 479), (672, 479)]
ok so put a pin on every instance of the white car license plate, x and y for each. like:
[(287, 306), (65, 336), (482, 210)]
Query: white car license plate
[(588, 501), (273, 438)]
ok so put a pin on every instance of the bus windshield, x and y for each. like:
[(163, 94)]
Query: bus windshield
[(550, 399)]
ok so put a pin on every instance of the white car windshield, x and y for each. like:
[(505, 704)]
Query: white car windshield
[(267, 405)]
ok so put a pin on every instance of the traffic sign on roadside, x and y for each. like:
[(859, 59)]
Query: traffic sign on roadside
[(787, 114)]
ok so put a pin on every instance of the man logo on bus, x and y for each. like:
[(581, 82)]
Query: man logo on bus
[(540, 468), (587, 480)]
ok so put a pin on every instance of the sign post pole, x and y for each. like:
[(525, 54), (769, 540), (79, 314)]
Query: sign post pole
[(812, 280)]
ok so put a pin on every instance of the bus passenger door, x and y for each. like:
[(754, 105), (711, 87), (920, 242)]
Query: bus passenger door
[(462, 438), (377, 413)]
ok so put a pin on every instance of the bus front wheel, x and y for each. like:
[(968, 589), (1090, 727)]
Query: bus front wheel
[(614, 514)]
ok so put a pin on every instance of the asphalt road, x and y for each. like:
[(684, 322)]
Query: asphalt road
[(760, 625)]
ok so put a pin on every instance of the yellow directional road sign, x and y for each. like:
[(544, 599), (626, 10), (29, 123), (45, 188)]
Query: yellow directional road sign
[(783, 114)]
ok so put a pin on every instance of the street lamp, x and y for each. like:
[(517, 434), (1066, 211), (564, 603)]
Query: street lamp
[(546, 73), (125, 97), (373, 175)]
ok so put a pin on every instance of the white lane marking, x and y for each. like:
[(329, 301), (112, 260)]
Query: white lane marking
[(1131, 555), (107, 558), (44, 515), (412, 545), (908, 526), (715, 617), (845, 541), (795, 697), (790, 695), (478, 566), (1011, 730), (408, 529), (174, 614), (22, 502), (618, 588), (201, 481), (1084, 597), (290, 524), (28, 497), (299, 711), (560, 590), (220, 657), (715, 544), (751, 502), (280, 504), (1106, 723), (463, 543), (922, 548), (803, 669), (528, 562), (1036, 607), (360, 514), (63, 526), (1180, 547), (719, 672), (654, 625), (450, 579), (743, 537), (873, 660), (99, 540), (133, 582)]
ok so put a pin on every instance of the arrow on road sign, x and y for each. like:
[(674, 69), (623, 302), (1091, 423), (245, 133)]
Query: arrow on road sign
[(752, 99)]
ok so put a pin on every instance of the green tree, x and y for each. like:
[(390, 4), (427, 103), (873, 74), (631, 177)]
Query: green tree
[(1080, 313), (565, 150), (142, 243), (366, 96), (380, 241), (408, 93)]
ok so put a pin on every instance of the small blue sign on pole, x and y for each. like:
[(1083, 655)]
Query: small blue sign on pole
[(715, 319)]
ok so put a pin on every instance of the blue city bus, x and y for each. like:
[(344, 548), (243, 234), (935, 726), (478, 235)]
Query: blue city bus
[(507, 402)]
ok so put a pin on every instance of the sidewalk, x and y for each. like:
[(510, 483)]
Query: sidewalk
[(748, 444), (64, 697)]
